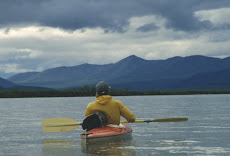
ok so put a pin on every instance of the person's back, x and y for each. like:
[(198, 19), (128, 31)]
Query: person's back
[(113, 109)]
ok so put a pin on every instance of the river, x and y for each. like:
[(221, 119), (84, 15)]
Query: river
[(205, 133)]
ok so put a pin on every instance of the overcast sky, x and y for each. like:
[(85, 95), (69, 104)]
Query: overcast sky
[(39, 34)]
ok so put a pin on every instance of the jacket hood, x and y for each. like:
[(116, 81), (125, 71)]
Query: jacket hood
[(103, 100)]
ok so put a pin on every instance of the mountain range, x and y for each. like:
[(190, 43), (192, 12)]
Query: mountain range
[(5, 83), (177, 73)]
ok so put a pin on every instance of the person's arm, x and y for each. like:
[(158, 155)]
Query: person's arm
[(126, 113), (87, 111)]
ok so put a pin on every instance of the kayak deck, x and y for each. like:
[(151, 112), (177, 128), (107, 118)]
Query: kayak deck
[(107, 131)]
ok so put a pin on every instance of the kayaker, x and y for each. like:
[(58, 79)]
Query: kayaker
[(112, 108)]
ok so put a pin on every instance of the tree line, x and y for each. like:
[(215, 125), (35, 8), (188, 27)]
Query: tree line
[(90, 91)]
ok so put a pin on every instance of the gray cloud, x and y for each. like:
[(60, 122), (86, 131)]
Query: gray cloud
[(109, 14), (148, 27)]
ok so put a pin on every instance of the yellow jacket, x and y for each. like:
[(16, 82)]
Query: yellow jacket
[(113, 109)]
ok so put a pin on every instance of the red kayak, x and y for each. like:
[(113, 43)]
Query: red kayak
[(110, 132)]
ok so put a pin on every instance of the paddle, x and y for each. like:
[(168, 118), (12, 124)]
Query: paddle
[(59, 124), (180, 119), (68, 124)]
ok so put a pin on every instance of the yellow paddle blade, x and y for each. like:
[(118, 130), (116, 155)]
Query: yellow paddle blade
[(179, 119), (59, 124)]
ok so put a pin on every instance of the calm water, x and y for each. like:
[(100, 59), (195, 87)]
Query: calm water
[(206, 133)]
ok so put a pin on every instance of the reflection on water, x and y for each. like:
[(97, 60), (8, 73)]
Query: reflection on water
[(51, 147), (108, 147)]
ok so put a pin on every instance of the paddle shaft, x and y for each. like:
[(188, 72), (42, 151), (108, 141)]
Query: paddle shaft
[(178, 119)]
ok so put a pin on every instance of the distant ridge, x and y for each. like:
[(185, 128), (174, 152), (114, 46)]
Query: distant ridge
[(23, 76), (131, 59), (5, 83), (135, 73)]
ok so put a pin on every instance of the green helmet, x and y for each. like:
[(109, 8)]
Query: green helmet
[(102, 88)]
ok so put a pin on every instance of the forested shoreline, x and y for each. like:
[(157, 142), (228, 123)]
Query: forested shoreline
[(90, 91)]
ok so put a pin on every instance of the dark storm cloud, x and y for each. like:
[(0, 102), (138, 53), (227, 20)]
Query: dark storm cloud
[(109, 14), (148, 27)]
